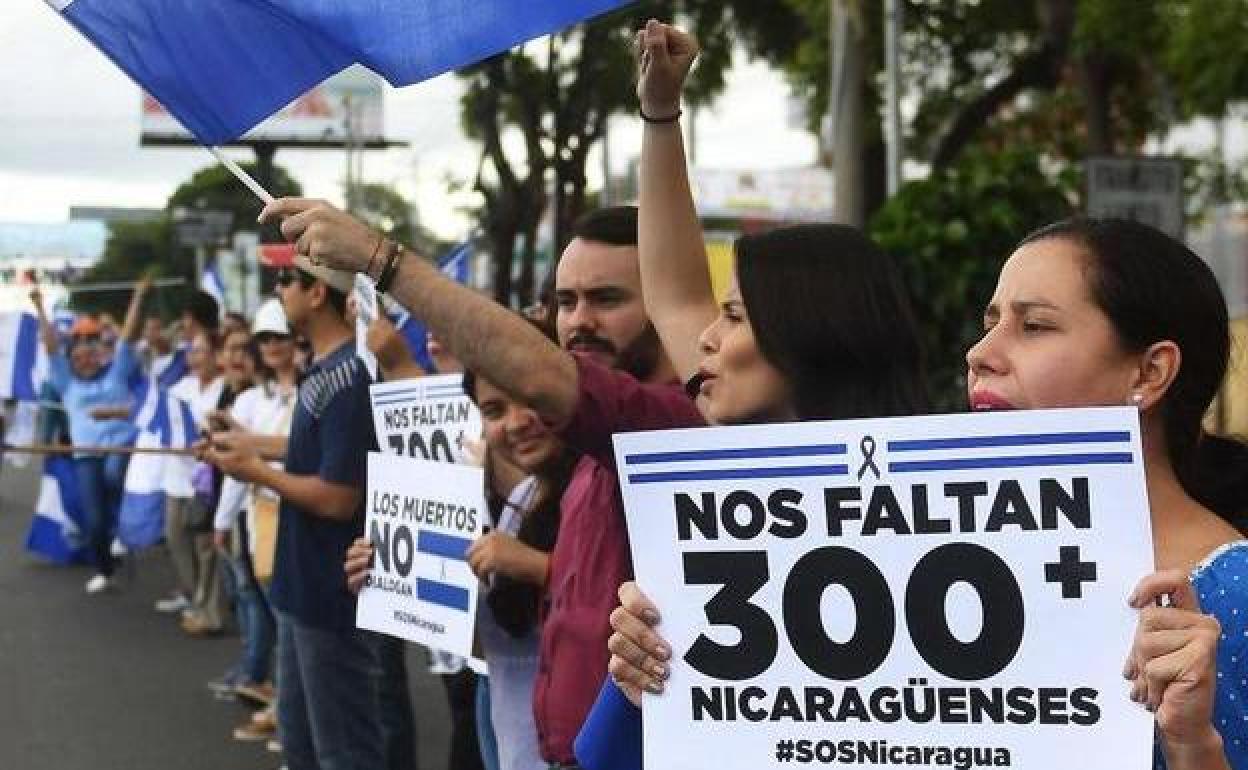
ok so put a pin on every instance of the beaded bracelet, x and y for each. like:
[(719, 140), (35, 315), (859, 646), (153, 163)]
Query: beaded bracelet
[(669, 119)]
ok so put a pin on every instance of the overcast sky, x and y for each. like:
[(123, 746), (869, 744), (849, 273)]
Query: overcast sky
[(69, 133)]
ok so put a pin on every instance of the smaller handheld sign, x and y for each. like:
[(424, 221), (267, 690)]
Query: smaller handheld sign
[(422, 516), (428, 418), (943, 591)]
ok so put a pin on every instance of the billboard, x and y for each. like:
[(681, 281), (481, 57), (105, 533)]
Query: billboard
[(785, 195), (346, 108)]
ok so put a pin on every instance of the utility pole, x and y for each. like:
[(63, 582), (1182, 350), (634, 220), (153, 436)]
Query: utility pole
[(893, 25), (846, 114)]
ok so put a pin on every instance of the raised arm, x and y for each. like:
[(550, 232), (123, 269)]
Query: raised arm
[(488, 338), (130, 326), (47, 332), (675, 278)]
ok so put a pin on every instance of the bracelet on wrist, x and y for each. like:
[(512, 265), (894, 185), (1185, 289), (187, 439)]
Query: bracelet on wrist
[(660, 120), (392, 267)]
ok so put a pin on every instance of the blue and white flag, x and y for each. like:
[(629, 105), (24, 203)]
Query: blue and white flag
[(141, 522), (59, 520), (455, 266), (23, 361), (169, 418), (211, 283), (222, 67)]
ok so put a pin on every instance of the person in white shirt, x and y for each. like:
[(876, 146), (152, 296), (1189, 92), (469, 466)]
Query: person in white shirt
[(245, 523), (194, 560)]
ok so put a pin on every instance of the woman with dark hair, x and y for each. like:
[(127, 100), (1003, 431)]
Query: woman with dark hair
[(816, 324), (1104, 312), (513, 561), (1097, 313)]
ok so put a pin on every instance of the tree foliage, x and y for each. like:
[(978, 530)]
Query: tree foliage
[(951, 233), (137, 248), (538, 111)]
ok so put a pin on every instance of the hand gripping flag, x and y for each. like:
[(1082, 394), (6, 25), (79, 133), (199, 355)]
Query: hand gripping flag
[(222, 66)]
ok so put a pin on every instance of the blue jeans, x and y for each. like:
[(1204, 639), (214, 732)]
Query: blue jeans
[(333, 711), (100, 484), (485, 726), (255, 620)]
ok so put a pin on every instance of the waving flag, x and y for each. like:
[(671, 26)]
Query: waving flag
[(141, 521), (170, 419), (56, 528), (222, 66), (23, 362), (211, 283), (454, 265)]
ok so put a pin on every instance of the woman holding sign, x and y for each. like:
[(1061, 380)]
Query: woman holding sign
[(815, 324), (1095, 313)]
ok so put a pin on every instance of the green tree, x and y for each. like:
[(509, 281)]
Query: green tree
[(385, 209), (556, 96), (951, 233), (133, 249)]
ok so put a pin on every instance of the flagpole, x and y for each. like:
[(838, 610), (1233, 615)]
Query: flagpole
[(58, 449), (242, 176), (119, 285)]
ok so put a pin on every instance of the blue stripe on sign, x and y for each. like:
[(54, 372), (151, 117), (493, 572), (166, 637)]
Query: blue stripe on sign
[(739, 473), (446, 546), (981, 463), (751, 453), (1023, 439), (443, 594)]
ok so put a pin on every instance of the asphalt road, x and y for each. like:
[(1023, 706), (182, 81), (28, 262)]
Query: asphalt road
[(91, 682)]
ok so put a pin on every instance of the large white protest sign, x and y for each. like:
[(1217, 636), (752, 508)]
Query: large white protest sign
[(944, 591), (428, 418), (421, 517)]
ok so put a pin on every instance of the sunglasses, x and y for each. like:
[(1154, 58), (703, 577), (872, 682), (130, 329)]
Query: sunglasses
[(263, 338), (288, 275)]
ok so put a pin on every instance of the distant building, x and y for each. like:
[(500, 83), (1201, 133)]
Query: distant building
[(51, 255)]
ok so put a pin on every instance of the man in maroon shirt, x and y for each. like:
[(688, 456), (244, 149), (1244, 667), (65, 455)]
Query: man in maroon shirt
[(610, 376)]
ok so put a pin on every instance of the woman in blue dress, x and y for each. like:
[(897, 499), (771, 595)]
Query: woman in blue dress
[(1085, 313)]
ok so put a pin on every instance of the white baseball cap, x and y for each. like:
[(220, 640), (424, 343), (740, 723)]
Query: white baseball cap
[(271, 318)]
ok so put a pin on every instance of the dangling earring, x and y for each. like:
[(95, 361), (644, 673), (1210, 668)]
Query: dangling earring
[(1137, 398)]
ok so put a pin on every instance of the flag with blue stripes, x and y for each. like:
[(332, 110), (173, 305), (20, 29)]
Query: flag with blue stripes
[(212, 284), (56, 529), (23, 361), (222, 67), (454, 265), (169, 418), (141, 521)]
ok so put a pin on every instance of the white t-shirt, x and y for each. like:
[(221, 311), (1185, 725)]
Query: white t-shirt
[(265, 410), (201, 401)]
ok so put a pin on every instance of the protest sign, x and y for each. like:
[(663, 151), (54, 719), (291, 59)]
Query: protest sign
[(428, 418), (365, 313), (421, 517), (944, 591)]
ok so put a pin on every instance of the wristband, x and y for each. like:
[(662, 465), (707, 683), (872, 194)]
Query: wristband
[(391, 269), (380, 240), (669, 119)]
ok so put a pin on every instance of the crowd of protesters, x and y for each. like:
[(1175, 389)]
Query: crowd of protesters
[(267, 514)]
